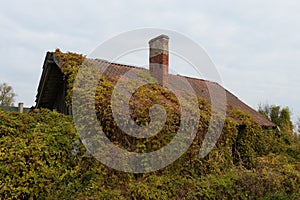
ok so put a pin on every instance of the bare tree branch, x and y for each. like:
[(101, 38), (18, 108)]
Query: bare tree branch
[(7, 95)]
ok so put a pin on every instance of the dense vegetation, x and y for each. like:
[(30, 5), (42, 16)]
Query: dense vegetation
[(42, 157)]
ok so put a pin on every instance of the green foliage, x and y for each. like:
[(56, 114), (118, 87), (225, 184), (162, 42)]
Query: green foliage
[(279, 116), (34, 153), (69, 64), (41, 156)]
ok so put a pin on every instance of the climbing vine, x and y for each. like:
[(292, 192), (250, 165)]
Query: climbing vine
[(69, 64), (42, 157)]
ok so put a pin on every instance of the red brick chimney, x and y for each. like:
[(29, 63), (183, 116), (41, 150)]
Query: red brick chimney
[(159, 59)]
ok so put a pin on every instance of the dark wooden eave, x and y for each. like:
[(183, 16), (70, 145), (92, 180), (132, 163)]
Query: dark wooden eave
[(51, 83)]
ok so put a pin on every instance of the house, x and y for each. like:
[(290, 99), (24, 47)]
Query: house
[(53, 85)]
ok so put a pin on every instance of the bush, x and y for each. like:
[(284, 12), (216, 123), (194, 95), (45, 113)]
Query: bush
[(36, 154), (42, 157)]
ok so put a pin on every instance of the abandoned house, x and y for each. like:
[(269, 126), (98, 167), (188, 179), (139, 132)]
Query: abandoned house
[(52, 89)]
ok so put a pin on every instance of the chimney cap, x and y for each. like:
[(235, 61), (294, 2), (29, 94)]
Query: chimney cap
[(162, 36)]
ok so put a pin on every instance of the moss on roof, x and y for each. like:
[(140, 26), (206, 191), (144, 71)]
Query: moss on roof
[(71, 62)]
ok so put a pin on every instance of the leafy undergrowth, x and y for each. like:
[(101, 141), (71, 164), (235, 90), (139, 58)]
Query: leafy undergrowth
[(41, 157)]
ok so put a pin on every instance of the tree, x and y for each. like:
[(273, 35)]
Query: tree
[(279, 116), (7, 95), (297, 127)]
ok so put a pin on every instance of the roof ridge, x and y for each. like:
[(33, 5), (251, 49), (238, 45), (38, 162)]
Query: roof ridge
[(114, 63), (201, 79)]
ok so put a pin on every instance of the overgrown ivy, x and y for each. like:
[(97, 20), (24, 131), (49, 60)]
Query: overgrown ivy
[(69, 63), (42, 157)]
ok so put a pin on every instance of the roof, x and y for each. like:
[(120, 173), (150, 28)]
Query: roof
[(52, 78)]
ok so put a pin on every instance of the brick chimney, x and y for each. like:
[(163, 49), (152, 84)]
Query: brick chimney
[(159, 59)]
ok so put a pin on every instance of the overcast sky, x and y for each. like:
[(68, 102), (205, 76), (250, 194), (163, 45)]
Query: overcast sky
[(254, 44)]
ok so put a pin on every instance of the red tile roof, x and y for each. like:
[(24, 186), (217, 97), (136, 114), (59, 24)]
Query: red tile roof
[(200, 87), (114, 71)]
